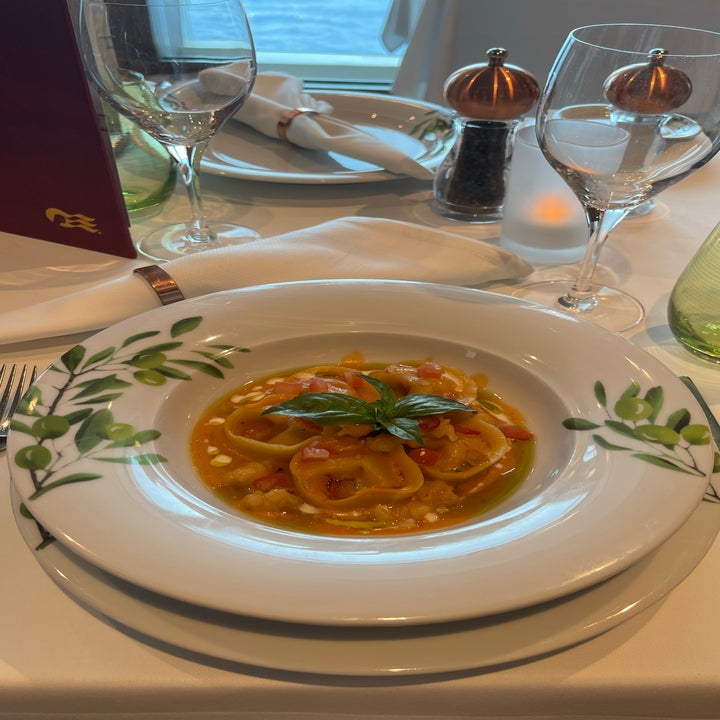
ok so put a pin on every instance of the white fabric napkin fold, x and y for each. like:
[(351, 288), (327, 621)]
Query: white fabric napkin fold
[(368, 248), (275, 94)]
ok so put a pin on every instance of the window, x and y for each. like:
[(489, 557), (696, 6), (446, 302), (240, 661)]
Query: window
[(338, 44), (329, 43)]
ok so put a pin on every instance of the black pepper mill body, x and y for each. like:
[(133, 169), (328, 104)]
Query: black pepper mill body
[(470, 182)]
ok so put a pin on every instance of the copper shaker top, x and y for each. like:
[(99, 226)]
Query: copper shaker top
[(492, 90), (648, 88)]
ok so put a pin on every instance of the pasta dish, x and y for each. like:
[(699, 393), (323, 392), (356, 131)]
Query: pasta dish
[(358, 448)]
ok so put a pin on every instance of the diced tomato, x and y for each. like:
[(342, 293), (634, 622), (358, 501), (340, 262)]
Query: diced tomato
[(274, 481), (313, 451), (430, 370), (424, 456), (317, 384), (515, 432), (428, 423), (465, 430), (288, 387)]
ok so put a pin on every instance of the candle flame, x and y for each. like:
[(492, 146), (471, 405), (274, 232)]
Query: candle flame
[(551, 210)]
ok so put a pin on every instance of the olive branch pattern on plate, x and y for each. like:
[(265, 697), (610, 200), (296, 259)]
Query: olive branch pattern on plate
[(59, 438), (75, 422), (635, 419)]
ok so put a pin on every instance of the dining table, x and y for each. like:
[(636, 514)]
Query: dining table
[(61, 659)]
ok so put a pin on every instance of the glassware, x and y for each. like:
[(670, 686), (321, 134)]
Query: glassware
[(694, 306), (146, 171), (543, 220), (150, 59), (628, 110)]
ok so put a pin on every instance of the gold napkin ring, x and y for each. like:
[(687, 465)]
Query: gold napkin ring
[(287, 118), (163, 285)]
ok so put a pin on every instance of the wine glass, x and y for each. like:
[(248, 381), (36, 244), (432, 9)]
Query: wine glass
[(628, 110), (179, 69)]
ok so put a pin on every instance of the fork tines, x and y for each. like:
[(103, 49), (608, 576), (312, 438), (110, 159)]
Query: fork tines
[(12, 388)]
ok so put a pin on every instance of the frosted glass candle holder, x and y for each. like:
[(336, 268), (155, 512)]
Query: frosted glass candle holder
[(544, 222)]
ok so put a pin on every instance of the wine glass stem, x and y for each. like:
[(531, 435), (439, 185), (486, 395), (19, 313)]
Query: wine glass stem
[(601, 222), (188, 163)]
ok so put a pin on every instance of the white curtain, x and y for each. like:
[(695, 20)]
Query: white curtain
[(400, 23), (453, 33)]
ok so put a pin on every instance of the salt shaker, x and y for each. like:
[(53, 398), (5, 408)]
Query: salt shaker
[(491, 99), (694, 306)]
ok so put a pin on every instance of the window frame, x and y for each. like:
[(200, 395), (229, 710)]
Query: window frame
[(326, 71)]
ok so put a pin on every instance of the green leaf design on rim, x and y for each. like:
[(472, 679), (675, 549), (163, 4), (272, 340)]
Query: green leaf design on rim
[(634, 420), (76, 422)]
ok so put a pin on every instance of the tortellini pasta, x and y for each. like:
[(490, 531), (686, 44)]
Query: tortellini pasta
[(357, 478)]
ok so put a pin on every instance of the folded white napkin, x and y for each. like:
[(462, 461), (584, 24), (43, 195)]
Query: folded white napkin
[(276, 94), (359, 247)]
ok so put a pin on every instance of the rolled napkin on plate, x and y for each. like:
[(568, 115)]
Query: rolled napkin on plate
[(363, 248), (280, 108)]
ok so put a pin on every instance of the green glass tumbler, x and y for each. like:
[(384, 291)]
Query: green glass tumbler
[(694, 306), (146, 171)]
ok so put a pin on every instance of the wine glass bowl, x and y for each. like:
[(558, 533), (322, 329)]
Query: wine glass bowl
[(150, 60), (627, 111), (588, 155)]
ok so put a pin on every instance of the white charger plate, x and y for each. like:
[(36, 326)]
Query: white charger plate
[(425, 131), (412, 650), (595, 503)]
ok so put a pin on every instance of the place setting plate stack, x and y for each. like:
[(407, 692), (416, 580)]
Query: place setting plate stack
[(616, 509)]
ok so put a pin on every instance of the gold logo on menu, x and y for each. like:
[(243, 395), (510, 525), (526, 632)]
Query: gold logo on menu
[(71, 220)]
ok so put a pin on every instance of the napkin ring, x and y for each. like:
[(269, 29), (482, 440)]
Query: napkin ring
[(287, 118), (163, 285)]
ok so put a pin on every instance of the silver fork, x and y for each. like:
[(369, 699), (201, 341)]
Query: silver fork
[(13, 384)]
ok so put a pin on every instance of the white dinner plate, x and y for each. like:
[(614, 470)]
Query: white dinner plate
[(101, 458), (387, 651), (425, 131)]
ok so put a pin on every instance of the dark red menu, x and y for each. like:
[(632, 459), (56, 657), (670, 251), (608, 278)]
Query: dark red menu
[(59, 179)]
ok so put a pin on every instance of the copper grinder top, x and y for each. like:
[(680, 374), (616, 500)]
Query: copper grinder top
[(648, 88), (492, 90)]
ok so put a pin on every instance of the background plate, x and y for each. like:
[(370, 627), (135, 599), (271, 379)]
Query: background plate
[(425, 131), (440, 648)]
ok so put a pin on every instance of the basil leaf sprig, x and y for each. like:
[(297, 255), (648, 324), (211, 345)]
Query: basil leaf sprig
[(396, 416)]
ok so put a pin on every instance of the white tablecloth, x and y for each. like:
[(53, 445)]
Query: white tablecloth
[(57, 660)]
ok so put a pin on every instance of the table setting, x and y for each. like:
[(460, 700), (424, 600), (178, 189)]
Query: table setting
[(585, 586), (404, 137)]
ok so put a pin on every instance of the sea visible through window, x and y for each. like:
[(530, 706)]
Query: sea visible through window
[(342, 27), (324, 41)]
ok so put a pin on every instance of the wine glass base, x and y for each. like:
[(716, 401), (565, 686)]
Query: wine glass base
[(173, 241), (615, 310)]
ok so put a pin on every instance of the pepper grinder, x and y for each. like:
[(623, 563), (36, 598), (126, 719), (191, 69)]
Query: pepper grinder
[(491, 99)]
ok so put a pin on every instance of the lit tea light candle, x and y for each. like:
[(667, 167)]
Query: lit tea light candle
[(552, 209), (543, 220)]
